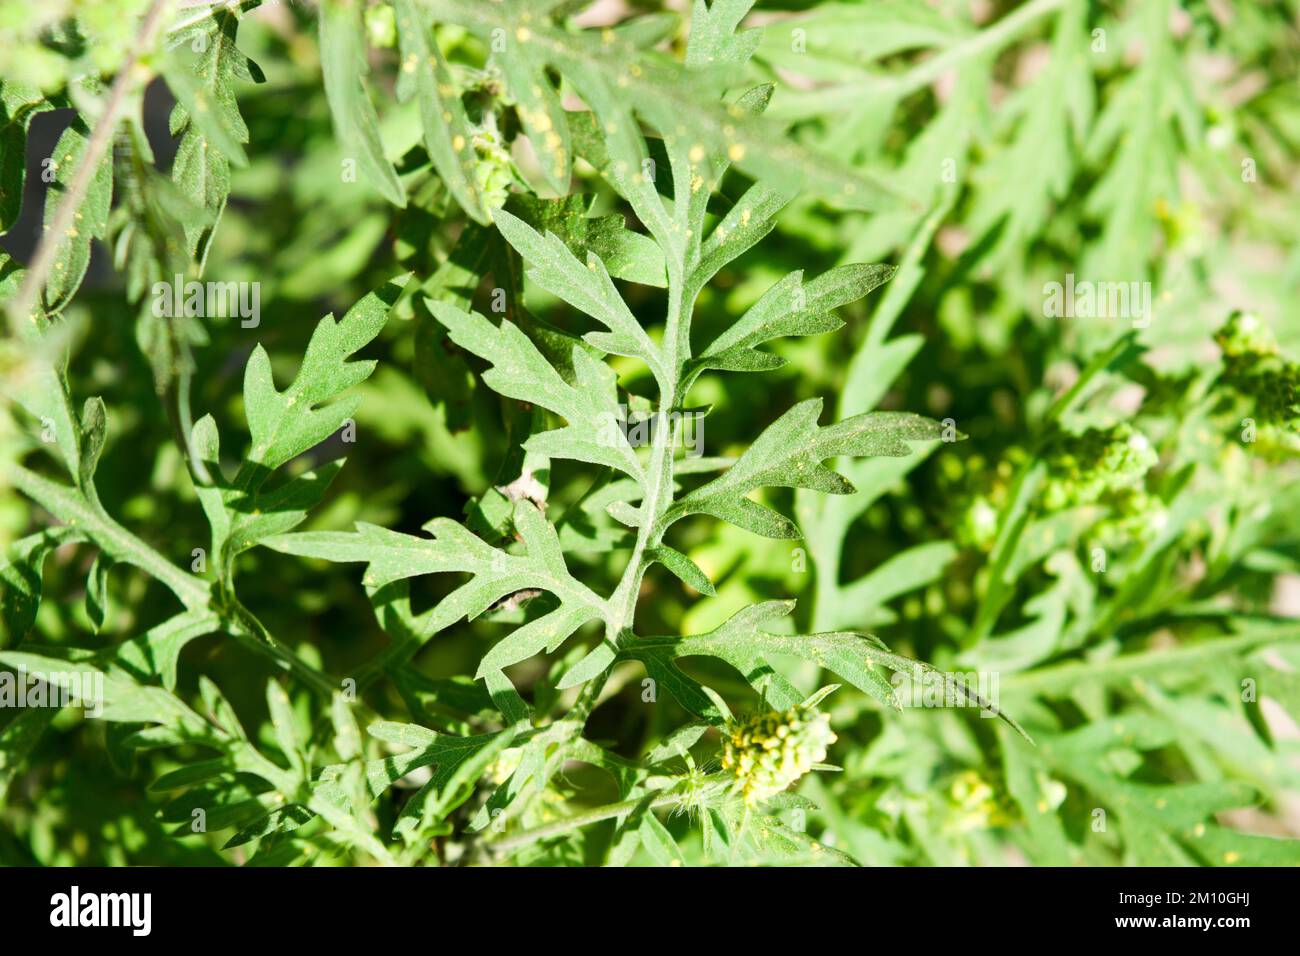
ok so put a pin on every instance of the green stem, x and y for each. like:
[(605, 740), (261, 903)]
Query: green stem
[(129, 76), (507, 845), (121, 544), (992, 38), (1066, 677), (192, 591)]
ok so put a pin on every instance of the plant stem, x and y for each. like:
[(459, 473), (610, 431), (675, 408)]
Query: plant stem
[(509, 844), (192, 591), (991, 38), (117, 541), (1153, 663), (20, 309)]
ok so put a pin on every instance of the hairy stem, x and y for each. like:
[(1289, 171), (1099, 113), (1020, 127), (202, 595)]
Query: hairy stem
[(509, 844), (20, 308), (192, 591)]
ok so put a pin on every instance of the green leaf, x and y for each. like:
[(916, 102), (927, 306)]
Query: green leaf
[(285, 424), (124, 700), (627, 255), (745, 645), (20, 579), (97, 592), (286, 728), (789, 453), (18, 104), (343, 62), (72, 256), (201, 169), (590, 407), (538, 105), (546, 633), (659, 843), (906, 571), (713, 38), (448, 136), (790, 307), (215, 128), (443, 752), (154, 654), (587, 288), (686, 570), (495, 574), (614, 77)]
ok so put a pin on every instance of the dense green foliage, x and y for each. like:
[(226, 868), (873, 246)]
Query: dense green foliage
[(828, 433)]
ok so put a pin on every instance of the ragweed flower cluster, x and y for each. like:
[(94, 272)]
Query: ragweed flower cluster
[(1255, 369), (1098, 464), (767, 753), (495, 170), (1106, 466)]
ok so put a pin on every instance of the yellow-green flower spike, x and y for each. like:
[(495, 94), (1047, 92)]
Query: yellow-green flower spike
[(767, 753)]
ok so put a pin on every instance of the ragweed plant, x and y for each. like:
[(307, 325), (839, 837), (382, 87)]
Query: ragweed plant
[(573, 405), (535, 554)]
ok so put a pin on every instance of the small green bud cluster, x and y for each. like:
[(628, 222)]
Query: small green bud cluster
[(495, 170), (1255, 368), (1108, 467), (767, 753), (1100, 464)]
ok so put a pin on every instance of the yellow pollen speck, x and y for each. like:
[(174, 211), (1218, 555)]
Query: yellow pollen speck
[(607, 36), (697, 153), (1232, 856), (522, 34), (736, 152), (458, 143), (744, 217)]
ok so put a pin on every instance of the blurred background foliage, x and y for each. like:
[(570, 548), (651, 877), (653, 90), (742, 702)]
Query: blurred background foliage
[(1125, 562)]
